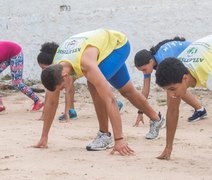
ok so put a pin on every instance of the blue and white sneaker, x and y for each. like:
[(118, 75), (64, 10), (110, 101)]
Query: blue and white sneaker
[(198, 115)]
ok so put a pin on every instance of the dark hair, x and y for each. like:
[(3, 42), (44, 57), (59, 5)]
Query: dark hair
[(47, 53), (143, 56), (170, 71), (52, 76), (154, 49)]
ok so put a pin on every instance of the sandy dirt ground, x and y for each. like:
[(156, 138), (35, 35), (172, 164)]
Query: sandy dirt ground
[(67, 158), (145, 22)]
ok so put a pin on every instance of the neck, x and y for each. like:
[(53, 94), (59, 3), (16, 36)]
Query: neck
[(154, 62), (68, 68), (191, 81)]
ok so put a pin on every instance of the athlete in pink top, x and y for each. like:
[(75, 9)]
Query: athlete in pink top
[(11, 55)]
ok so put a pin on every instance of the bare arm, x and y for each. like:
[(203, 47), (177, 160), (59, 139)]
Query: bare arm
[(44, 108), (171, 125), (146, 87), (50, 110), (145, 91), (95, 77)]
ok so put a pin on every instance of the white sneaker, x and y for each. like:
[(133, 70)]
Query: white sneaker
[(155, 127), (101, 142)]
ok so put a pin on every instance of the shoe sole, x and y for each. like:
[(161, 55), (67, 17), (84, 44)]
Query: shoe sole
[(99, 149), (200, 118), (73, 118), (1, 110), (153, 138), (61, 119)]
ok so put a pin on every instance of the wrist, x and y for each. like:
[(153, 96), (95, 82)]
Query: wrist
[(118, 139)]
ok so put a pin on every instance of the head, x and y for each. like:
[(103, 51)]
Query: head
[(52, 77), (46, 55), (144, 61), (172, 76)]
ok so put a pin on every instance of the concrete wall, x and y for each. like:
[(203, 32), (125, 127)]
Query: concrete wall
[(146, 22)]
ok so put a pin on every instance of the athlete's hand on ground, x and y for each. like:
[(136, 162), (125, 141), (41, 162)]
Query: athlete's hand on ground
[(138, 120), (42, 143), (122, 148), (165, 155)]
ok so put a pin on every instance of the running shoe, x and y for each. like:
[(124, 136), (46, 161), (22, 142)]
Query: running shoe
[(101, 142), (198, 115), (37, 105), (155, 127), (2, 108)]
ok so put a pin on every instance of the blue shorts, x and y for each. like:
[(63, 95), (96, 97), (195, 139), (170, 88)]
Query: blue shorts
[(114, 68)]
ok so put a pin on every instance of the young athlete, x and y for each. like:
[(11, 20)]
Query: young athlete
[(11, 55), (100, 56), (192, 70), (45, 58), (147, 61)]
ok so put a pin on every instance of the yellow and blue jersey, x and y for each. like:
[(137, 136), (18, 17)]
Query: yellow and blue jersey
[(72, 49), (198, 59)]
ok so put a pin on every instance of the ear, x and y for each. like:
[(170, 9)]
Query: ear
[(185, 78), (153, 62), (64, 74)]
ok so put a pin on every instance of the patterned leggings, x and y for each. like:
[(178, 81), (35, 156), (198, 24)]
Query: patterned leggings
[(16, 67)]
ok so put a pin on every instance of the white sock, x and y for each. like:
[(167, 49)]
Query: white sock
[(201, 109)]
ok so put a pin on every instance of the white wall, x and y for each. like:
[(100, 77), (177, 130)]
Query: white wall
[(146, 22)]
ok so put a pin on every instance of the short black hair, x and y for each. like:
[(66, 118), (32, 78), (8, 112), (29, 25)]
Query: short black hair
[(170, 71), (142, 57), (52, 76), (47, 53)]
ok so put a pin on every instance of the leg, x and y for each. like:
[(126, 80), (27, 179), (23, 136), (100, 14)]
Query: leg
[(72, 112), (122, 82), (3, 66), (200, 112), (191, 100), (99, 108), (104, 139), (16, 66), (138, 100)]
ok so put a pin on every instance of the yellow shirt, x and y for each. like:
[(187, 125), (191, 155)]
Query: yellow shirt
[(197, 57), (72, 49)]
